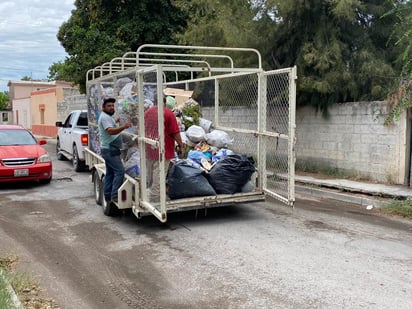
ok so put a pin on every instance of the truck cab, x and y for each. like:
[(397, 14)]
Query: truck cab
[(72, 138)]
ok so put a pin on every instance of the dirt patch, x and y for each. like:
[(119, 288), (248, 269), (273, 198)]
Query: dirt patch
[(28, 292)]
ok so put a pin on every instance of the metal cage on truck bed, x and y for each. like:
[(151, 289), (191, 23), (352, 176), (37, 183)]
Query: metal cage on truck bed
[(255, 108)]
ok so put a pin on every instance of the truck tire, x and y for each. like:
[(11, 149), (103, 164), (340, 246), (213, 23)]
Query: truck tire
[(59, 155), (78, 165), (109, 209), (98, 188)]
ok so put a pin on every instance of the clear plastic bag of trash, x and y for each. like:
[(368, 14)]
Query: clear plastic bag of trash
[(218, 139), (132, 165), (195, 133)]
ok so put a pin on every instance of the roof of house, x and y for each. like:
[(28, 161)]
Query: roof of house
[(39, 83)]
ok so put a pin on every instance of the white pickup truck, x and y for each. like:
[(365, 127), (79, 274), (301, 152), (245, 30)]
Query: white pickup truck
[(72, 138)]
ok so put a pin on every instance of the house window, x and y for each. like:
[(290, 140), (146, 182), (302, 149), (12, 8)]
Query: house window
[(5, 117)]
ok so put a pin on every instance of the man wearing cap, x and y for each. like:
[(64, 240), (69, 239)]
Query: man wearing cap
[(110, 145)]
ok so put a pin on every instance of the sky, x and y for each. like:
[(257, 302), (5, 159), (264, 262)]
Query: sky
[(28, 42)]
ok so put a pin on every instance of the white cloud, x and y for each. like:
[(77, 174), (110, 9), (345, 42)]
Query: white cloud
[(28, 32)]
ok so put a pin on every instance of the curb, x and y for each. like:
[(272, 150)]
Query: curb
[(353, 198), (15, 300)]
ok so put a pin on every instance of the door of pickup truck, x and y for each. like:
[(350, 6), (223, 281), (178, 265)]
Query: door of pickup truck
[(66, 136)]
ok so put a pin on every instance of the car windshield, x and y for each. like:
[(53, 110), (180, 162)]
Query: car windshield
[(16, 137)]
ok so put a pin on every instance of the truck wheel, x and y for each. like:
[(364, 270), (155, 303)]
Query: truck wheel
[(109, 209), (59, 156), (98, 188), (78, 165)]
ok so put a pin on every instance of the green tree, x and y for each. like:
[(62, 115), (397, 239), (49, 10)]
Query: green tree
[(339, 48), (99, 30), (400, 99), (230, 23), (401, 36), (338, 45), (61, 71), (4, 100)]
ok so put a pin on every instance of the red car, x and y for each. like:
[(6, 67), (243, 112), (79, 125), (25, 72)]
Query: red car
[(22, 157)]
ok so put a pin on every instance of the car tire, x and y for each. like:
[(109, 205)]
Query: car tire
[(109, 209), (59, 155), (98, 188), (78, 165)]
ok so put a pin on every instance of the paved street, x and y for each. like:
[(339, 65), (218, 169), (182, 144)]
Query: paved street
[(321, 254)]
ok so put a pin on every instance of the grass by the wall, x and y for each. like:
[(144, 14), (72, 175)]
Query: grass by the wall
[(5, 299), (6, 278), (401, 208), (333, 172)]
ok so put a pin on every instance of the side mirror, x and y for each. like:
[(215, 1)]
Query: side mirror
[(59, 124), (42, 142)]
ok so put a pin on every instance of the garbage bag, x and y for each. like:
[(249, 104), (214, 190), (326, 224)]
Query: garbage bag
[(132, 165), (231, 173), (221, 153), (195, 133), (197, 156), (185, 180), (218, 139)]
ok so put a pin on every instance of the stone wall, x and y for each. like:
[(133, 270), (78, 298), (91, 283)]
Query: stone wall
[(72, 101), (352, 140)]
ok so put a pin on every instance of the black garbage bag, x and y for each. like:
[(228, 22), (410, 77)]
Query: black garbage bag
[(185, 180), (231, 173)]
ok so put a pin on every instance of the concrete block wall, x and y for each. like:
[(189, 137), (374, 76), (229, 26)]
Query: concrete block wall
[(72, 101), (237, 117), (354, 139)]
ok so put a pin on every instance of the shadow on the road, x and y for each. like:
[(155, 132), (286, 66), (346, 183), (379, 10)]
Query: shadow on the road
[(21, 185), (183, 219)]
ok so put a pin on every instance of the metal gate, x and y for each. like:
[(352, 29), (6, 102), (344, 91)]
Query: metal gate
[(277, 119), (259, 111)]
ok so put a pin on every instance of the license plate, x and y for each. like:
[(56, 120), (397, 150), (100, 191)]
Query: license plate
[(19, 173)]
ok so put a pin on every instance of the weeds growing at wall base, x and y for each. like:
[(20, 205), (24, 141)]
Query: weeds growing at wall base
[(23, 285), (401, 208), (333, 172)]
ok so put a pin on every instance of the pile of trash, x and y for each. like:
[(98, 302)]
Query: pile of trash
[(209, 166)]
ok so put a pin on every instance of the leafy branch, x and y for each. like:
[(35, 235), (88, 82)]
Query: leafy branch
[(399, 101)]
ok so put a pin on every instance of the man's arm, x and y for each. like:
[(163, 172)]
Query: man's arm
[(114, 131), (180, 145)]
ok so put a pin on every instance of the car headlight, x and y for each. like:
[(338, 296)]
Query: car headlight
[(44, 158)]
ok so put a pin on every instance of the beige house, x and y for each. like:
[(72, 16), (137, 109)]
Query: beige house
[(43, 105), (22, 88), (35, 104)]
